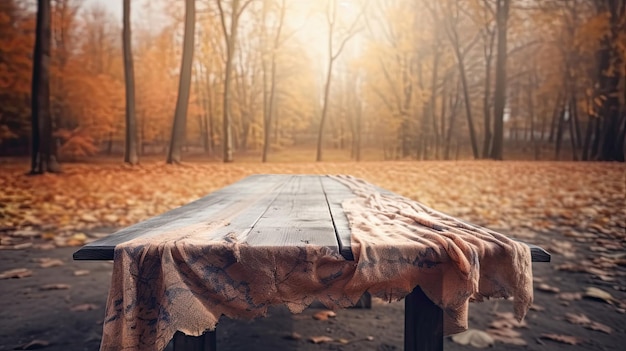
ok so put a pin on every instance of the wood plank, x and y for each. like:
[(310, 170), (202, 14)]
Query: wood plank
[(298, 215), (336, 192), (538, 254), (217, 206)]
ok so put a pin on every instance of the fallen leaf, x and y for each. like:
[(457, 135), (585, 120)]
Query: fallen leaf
[(81, 272), (507, 336), (599, 327), (47, 262), (583, 320), (324, 315), (26, 233), (83, 307), (16, 273), (34, 345), (570, 296), (44, 246), (22, 246), (48, 235), (598, 294), (508, 320), (547, 288), (577, 318), (54, 287), (571, 267), (320, 339), (565, 339), (474, 337), (293, 336)]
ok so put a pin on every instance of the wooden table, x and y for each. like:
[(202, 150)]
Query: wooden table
[(282, 210)]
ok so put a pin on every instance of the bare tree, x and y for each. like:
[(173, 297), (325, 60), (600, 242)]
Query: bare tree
[(452, 21), (184, 85), (333, 54), (502, 17), (488, 35), (43, 152), (130, 154), (269, 73), (230, 38)]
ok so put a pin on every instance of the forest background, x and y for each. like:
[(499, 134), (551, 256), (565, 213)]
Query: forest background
[(87, 91), (373, 80)]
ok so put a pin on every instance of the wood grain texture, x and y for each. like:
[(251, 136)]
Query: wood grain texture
[(335, 193), (218, 206), (261, 210), (298, 216)]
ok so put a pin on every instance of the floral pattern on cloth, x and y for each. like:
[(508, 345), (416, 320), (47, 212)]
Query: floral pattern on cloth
[(186, 280)]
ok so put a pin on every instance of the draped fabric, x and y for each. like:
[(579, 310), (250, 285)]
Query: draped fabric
[(186, 279)]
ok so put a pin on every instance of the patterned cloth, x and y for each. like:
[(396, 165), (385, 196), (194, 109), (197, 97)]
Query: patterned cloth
[(184, 280)]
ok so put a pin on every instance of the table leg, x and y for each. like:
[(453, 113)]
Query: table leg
[(204, 342), (364, 302), (423, 323)]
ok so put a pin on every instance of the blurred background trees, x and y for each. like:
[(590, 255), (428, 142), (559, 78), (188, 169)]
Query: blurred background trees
[(417, 80)]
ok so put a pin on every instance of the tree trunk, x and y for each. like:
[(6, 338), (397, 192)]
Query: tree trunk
[(332, 56), (267, 116), (487, 96), (320, 135), (210, 132), (531, 111), (611, 145), (184, 85), (359, 127), (204, 110), (502, 15), (555, 117), (269, 96), (130, 154), (468, 106), (559, 134), (231, 40), (454, 101), (43, 153), (572, 134)]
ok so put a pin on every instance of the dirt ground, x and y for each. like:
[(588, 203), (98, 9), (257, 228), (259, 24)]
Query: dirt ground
[(70, 316), (577, 211)]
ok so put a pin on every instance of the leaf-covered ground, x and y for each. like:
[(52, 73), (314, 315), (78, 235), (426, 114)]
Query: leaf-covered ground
[(575, 210), (522, 197)]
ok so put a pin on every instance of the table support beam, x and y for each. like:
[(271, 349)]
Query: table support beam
[(423, 323)]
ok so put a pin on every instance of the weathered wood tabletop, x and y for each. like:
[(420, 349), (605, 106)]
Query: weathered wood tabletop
[(279, 211), (273, 210)]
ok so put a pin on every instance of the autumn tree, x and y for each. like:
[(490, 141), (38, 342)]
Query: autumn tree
[(611, 135), (230, 25), (184, 85), (130, 154), (43, 152), (334, 49), (209, 56), (502, 17), (16, 48), (452, 13), (272, 39)]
